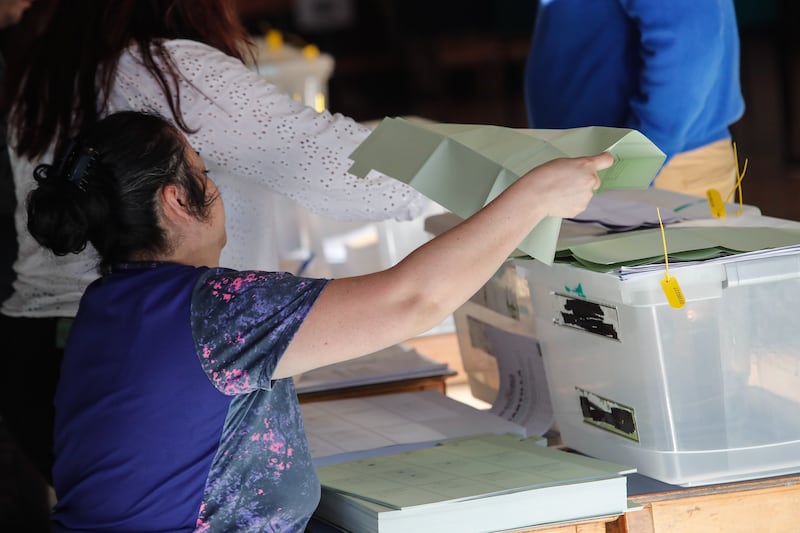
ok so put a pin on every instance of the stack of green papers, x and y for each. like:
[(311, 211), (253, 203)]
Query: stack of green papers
[(611, 252), (470, 485)]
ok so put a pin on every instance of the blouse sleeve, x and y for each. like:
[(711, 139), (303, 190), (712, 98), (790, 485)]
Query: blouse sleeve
[(249, 128), (242, 323)]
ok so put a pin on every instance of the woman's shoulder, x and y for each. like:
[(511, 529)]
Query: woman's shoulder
[(190, 47), (194, 56), (202, 71), (240, 280), (274, 289), (186, 52)]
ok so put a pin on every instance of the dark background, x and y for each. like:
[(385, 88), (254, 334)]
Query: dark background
[(462, 61)]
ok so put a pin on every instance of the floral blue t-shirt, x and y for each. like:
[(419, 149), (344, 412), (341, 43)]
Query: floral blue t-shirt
[(167, 416)]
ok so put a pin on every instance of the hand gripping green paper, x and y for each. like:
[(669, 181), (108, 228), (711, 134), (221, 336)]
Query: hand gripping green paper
[(463, 167)]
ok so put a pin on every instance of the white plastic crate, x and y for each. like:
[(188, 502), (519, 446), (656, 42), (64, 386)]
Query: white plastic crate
[(703, 394)]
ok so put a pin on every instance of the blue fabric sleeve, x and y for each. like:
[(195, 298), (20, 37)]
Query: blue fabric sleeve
[(242, 323), (685, 51)]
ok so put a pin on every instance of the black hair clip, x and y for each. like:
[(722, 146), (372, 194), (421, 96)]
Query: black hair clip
[(76, 164)]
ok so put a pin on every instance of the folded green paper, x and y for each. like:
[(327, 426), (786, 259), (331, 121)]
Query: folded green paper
[(464, 167)]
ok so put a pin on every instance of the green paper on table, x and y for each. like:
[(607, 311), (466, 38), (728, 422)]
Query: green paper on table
[(473, 484), (609, 252), (464, 167)]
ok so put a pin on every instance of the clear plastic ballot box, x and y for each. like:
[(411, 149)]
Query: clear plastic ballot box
[(702, 394)]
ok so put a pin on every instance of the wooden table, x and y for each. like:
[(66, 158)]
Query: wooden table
[(405, 385), (769, 505), (595, 525)]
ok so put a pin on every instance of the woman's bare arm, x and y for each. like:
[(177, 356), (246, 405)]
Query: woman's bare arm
[(356, 316)]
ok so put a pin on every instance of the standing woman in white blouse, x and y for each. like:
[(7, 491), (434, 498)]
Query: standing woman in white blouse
[(184, 60)]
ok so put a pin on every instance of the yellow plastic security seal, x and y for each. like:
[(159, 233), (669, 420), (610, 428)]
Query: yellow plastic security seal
[(669, 284), (715, 203)]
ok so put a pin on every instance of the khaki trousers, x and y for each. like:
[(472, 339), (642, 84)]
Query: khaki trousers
[(712, 166)]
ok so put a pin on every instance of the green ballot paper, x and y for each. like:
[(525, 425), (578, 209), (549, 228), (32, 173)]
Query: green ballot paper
[(464, 167)]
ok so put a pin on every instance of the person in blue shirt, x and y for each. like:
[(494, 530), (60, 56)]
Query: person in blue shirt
[(176, 410), (669, 69)]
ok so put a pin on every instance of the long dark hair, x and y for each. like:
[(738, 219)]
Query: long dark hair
[(103, 189), (59, 82)]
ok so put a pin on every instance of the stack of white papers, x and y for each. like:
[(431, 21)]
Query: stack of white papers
[(619, 214), (631, 272), (395, 363), (342, 430)]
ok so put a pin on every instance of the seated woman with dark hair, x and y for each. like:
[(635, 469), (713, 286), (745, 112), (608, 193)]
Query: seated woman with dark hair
[(176, 411)]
